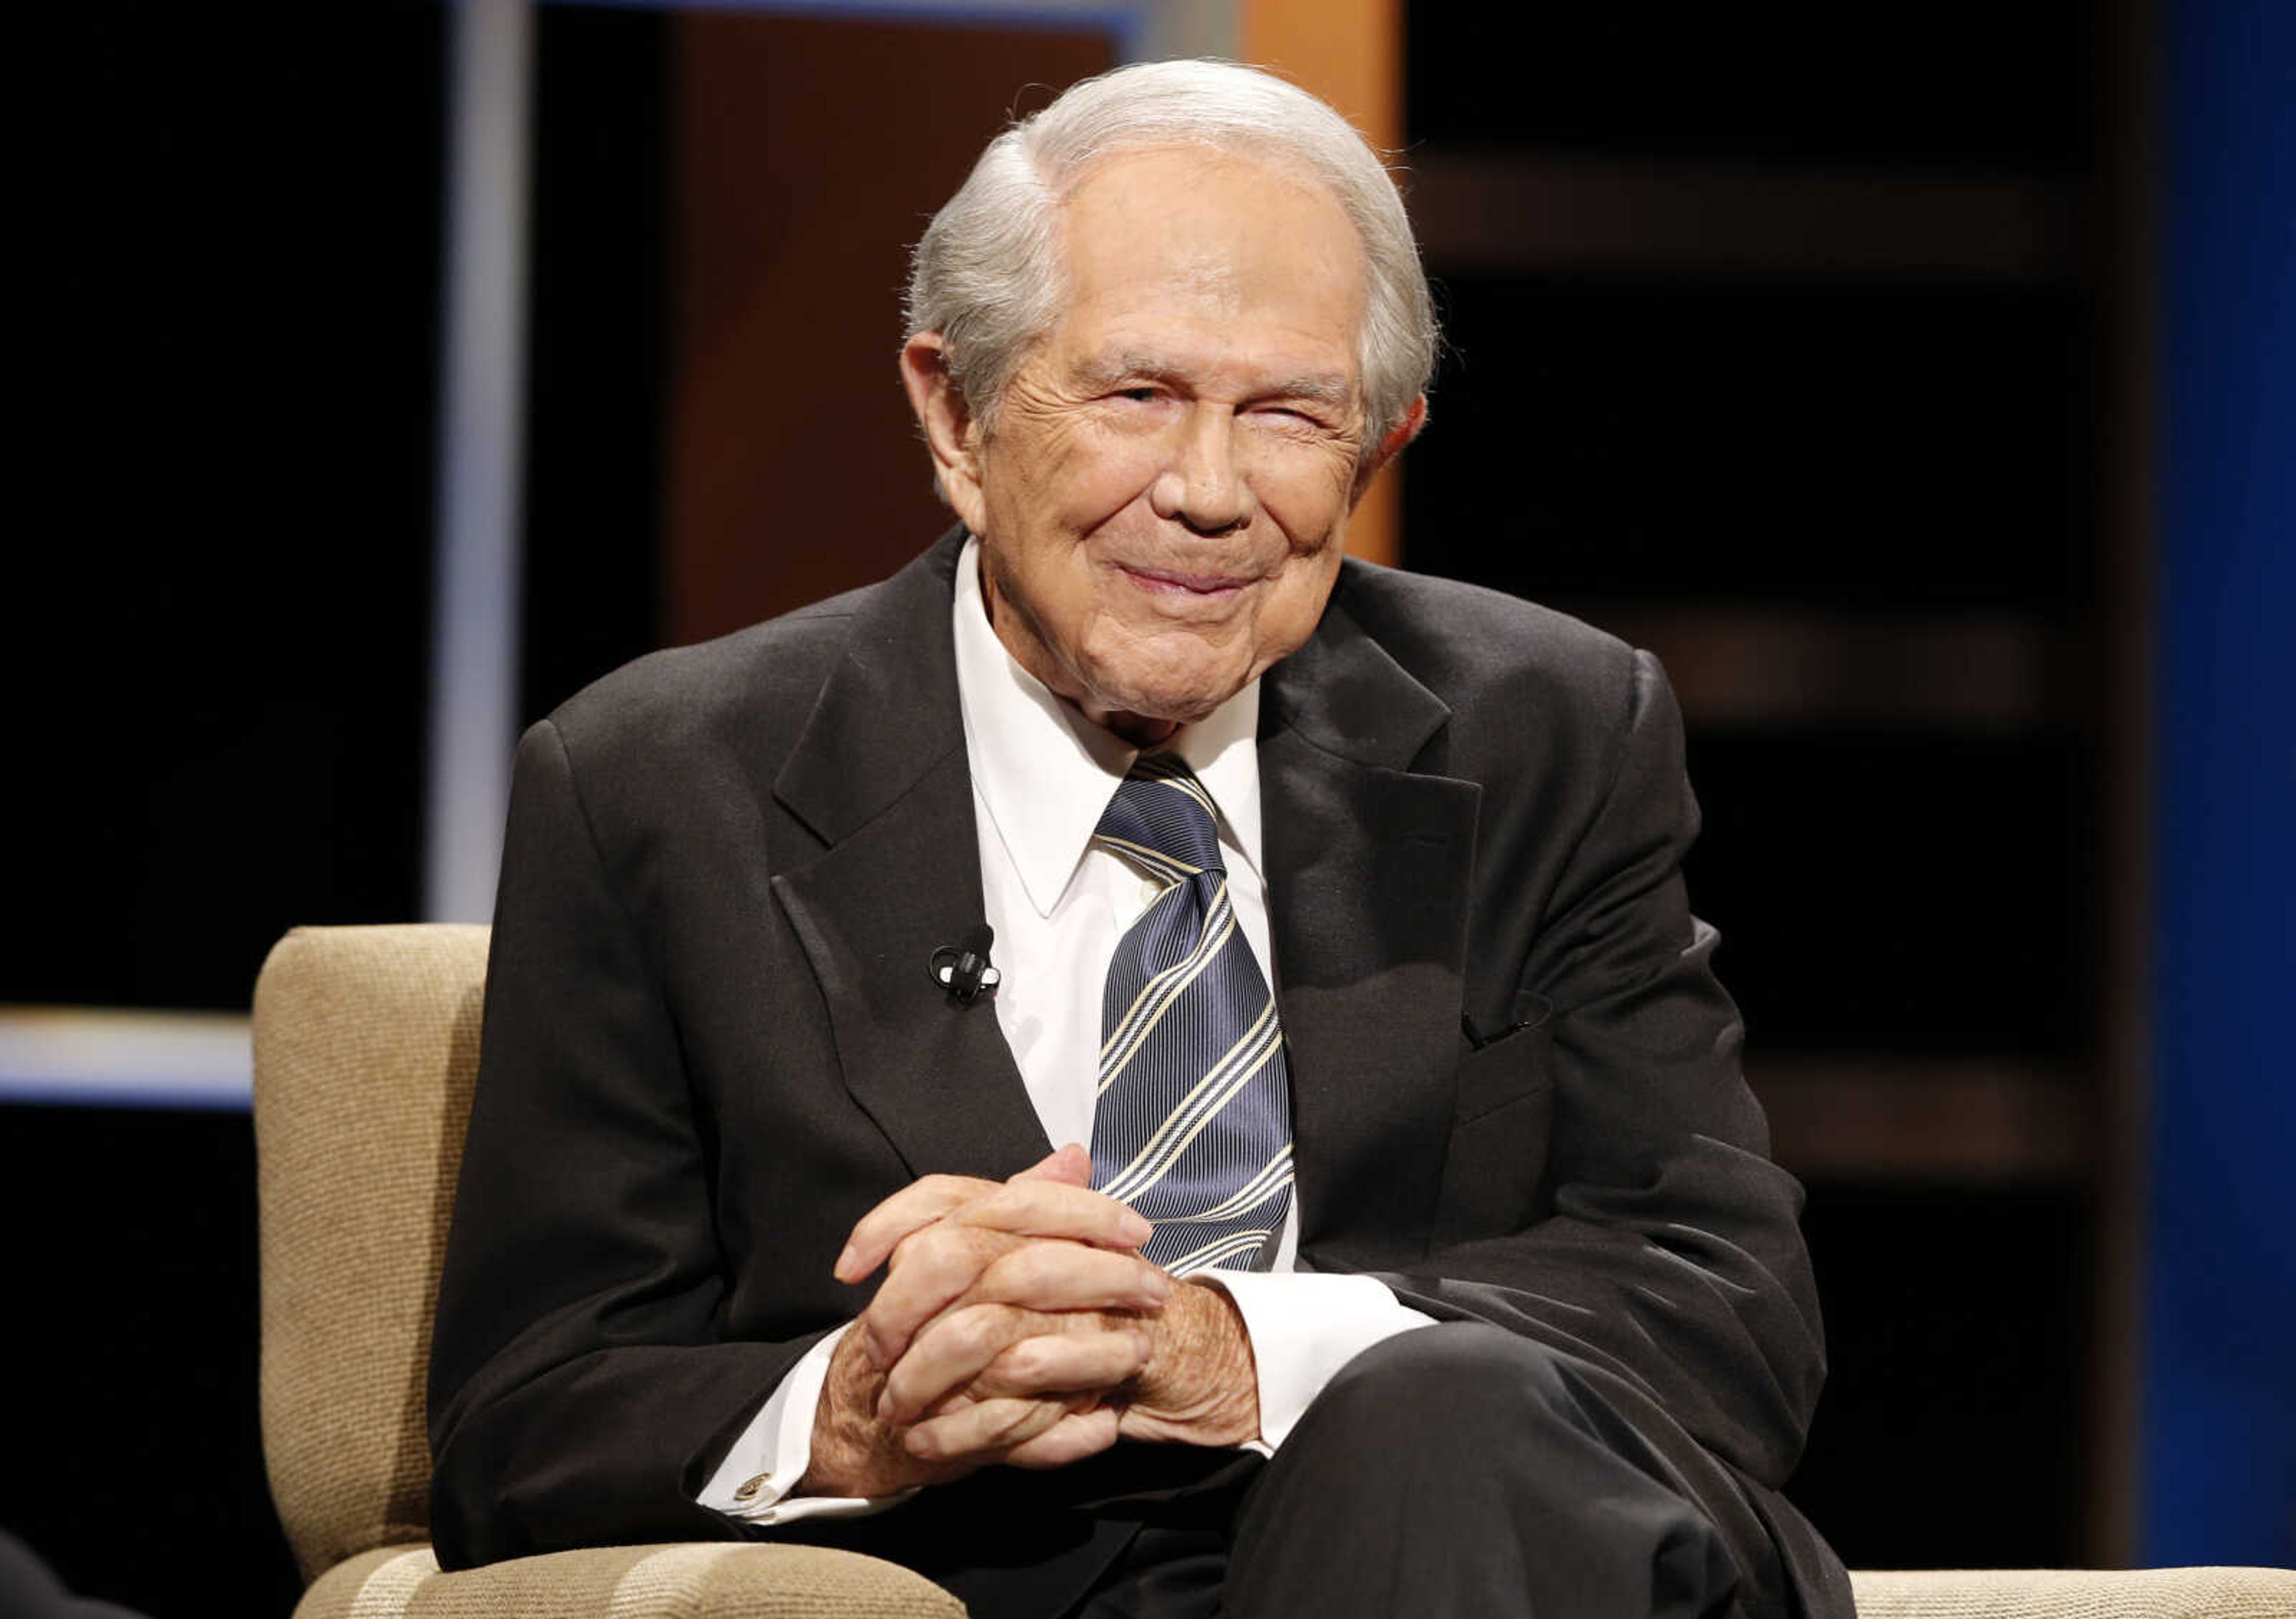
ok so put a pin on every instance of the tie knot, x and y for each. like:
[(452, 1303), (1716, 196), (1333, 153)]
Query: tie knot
[(1162, 817)]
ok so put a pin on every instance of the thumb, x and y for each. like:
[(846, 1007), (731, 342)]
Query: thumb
[(1071, 1164)]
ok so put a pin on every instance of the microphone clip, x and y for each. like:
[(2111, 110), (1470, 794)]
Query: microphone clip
[(964, 970)]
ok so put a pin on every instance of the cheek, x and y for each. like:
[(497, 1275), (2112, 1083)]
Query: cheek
[(1081, 476), (1291, 615), (1308, 492)]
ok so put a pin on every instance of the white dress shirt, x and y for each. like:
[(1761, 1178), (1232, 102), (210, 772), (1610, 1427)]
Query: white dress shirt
[(1042, 777)]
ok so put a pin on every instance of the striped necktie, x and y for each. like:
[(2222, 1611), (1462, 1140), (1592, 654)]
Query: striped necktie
[(1193, 1124)]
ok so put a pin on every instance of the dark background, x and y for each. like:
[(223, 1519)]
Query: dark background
[(237, 338)]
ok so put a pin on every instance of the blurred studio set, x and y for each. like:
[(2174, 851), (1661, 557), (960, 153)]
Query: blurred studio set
[(1917, 381)]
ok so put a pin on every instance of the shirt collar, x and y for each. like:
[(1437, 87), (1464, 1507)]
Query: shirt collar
[(1045, 774)]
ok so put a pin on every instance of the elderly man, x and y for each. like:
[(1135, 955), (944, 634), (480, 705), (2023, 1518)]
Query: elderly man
[(1411, 1245)]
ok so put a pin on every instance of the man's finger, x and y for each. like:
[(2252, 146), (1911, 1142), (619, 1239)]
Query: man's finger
[(1072, 1438), (1038, 1207), (931, 1271), (952, 1267), (914, 1207), (1052, 1364), (968, 1350), (1034, 1275), (994, 1425), (948, 1354), (933, 1196), (1062, 1363), (1054, 1276), (1071, 1163)]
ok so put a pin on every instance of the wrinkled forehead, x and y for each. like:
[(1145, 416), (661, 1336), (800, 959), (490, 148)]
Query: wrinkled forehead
[(1195, 230)]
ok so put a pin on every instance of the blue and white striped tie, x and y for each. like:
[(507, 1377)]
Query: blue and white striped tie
[(1193, 1126)]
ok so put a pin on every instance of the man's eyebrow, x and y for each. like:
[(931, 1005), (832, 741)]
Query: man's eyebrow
[(1322, 387), (1103, 371)]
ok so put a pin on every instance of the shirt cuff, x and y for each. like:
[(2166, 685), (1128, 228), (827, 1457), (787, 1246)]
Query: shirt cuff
[(771, 1455), (1304, 1326)]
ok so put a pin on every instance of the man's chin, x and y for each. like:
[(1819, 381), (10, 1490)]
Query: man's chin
[(1137, 729), (1145, 716)]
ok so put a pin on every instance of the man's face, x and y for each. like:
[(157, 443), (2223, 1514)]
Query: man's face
[(1162, 504)]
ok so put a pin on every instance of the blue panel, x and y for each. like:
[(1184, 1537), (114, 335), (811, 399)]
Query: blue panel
[(2219, 1482)]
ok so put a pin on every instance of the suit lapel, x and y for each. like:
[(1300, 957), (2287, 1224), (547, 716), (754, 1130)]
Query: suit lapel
[(1368, 872), (880, 775)]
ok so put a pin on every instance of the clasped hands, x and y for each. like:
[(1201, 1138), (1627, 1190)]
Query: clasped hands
[(1018, 1324)]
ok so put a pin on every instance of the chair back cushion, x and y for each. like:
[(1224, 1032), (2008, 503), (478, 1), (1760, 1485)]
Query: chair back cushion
[(366, 1045)]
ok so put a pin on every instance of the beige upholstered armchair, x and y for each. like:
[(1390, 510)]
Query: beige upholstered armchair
[(366, 1042)]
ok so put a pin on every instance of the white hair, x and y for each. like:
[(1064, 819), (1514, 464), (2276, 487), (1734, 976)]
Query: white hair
[(987, 275)]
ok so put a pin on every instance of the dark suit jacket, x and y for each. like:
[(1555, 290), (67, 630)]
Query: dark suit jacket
[(711, 1044)]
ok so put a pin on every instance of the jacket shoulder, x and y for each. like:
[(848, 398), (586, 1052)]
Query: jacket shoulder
[(1479, 649), (752, 690)]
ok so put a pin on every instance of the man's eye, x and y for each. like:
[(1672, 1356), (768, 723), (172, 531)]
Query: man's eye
[(1139, 396)]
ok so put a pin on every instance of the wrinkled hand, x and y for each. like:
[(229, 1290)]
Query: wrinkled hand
[(1016, 1325), (1192, 1381), (945, 1237), (1043, 1240), (972, 1365)]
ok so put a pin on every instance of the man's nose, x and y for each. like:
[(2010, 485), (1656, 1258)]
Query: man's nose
[(1204, 487)]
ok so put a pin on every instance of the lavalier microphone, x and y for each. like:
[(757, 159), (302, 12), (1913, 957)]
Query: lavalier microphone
[(964, 968)]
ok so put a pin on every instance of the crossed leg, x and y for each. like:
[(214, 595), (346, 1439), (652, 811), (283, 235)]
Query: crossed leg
[(1455, 1470)]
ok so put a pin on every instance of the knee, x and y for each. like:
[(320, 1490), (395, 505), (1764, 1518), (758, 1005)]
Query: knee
[(1453, 1383), (1474, 1469)]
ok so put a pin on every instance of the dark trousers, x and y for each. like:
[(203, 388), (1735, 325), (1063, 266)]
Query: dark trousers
[(1454, 1470)]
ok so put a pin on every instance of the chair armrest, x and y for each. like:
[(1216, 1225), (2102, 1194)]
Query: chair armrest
[(2076, 1593), (714, 1580)]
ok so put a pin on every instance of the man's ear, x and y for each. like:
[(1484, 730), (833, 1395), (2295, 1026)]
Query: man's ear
[(1402, 433), (946, 420)]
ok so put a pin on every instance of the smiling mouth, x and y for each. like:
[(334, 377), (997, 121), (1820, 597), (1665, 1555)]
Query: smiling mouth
[(1172, 581)]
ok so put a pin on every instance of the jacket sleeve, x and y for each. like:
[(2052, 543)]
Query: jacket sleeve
[(1666, 1251), (578, 1385)]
